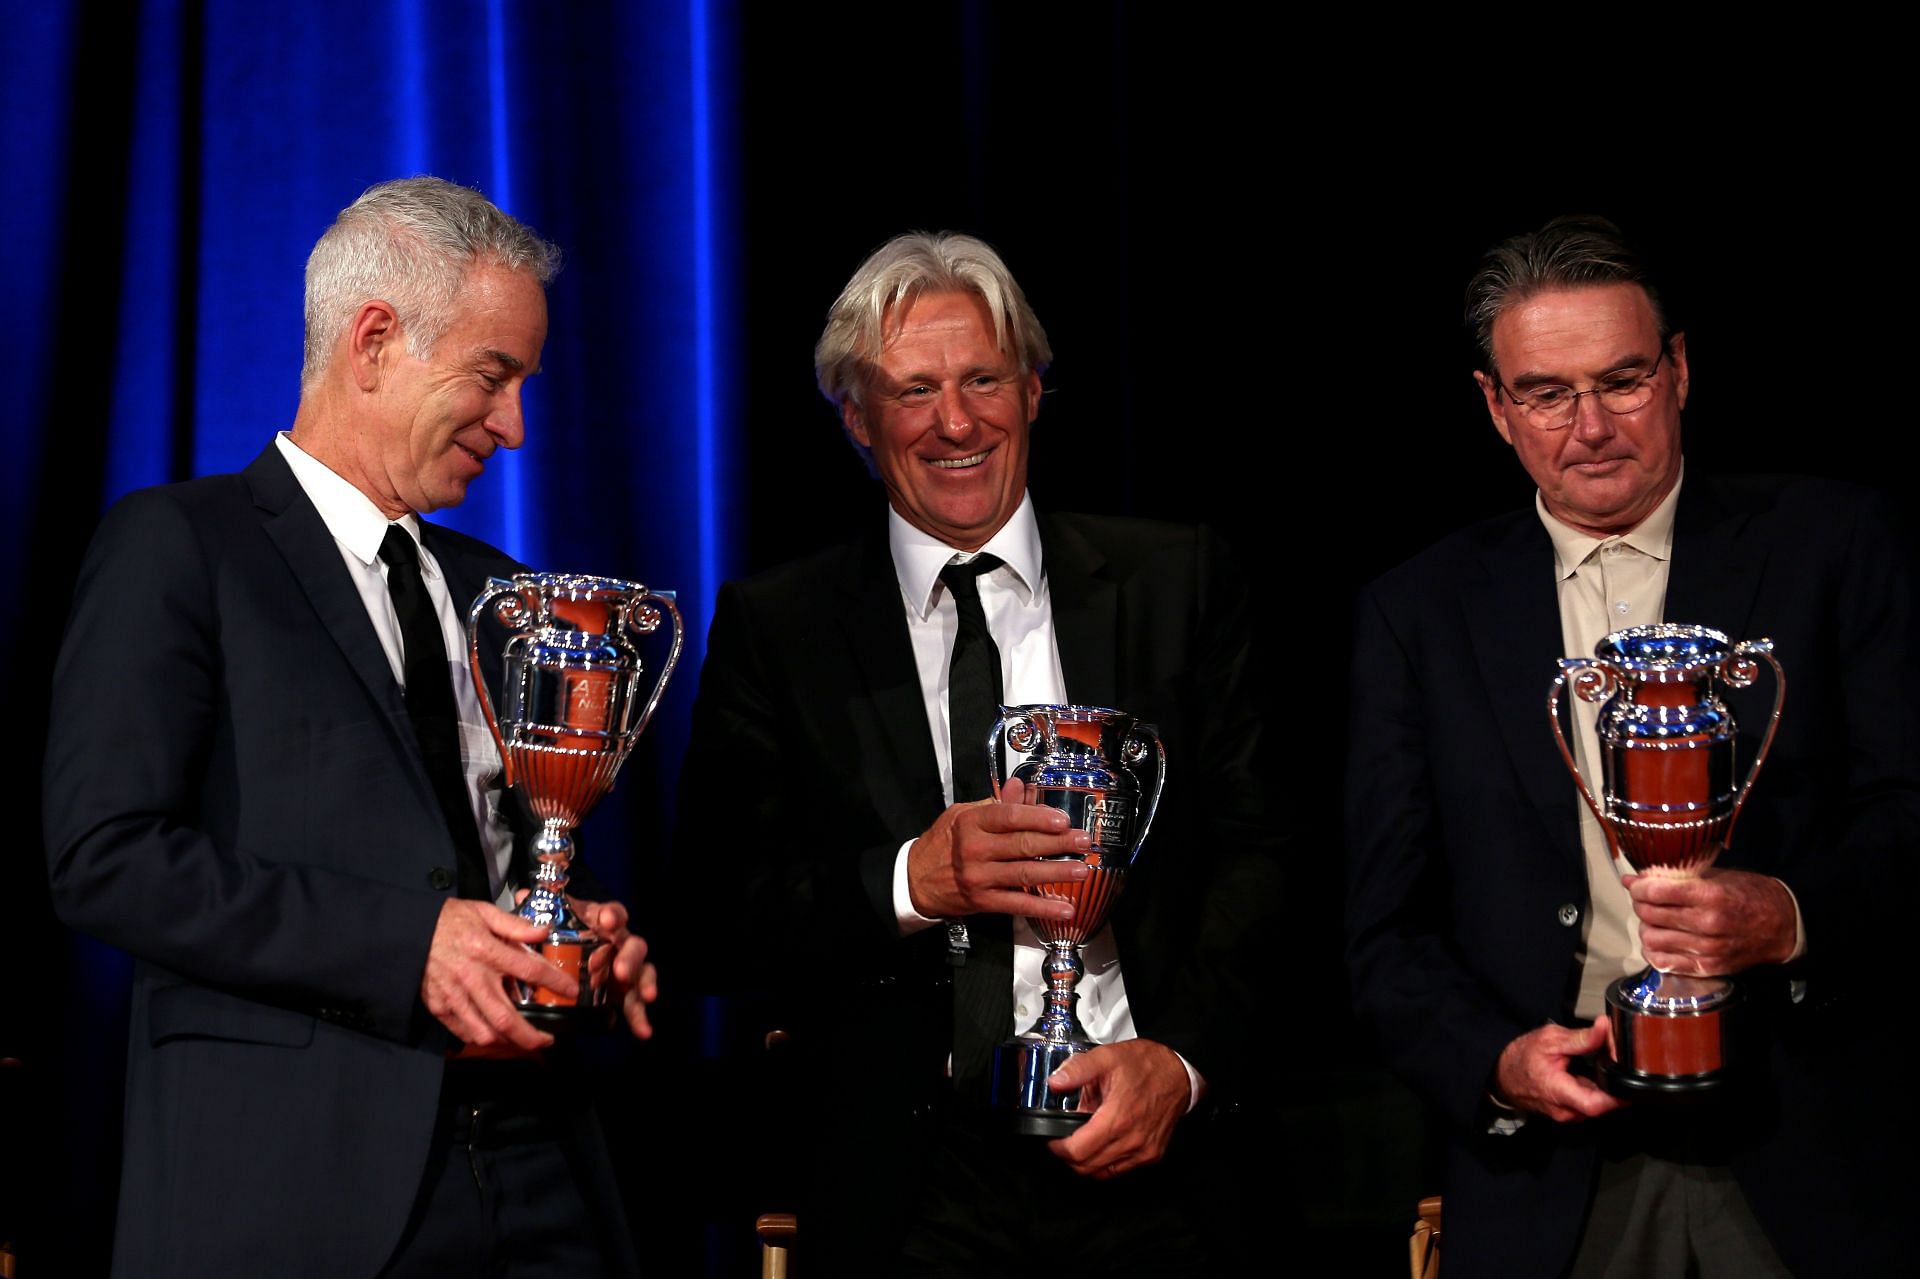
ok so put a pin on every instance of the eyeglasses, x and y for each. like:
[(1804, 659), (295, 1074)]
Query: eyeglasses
[(1553, 407)]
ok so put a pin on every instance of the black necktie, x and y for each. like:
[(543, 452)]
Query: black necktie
[(983, 984), (973, 680), (436, 726)]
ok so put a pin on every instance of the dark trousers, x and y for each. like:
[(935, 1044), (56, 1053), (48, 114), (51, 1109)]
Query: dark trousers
[(997, 1203), (500, 1196)]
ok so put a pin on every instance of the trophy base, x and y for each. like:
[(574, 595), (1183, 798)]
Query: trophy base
[(1622, 1082), (1048, 1123), (568, 1019), (589, 1012), (1020, 1070), (1670, 1038)]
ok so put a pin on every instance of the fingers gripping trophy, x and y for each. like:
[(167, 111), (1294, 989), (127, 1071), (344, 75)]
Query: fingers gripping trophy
[(569, 712), (1085, 761), (1667, 804)]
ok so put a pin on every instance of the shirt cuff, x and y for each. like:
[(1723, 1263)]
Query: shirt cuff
[(910, 920), (1799, 925), (1506, 1119), (1196, 1086)]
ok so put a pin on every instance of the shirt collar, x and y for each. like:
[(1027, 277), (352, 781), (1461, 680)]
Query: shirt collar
[(1652, 536), (918, 557), (350, 515)]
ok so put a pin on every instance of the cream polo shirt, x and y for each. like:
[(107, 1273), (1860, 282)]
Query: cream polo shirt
[(1606, 584)]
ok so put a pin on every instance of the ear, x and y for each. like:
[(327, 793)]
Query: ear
[(1033, 396), (856, 423), (1677, 356), (1491, 390), (373, 340)]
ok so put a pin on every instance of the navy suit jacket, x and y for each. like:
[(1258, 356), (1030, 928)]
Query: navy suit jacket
[(811, 763), (234, 795), (1465, 861)]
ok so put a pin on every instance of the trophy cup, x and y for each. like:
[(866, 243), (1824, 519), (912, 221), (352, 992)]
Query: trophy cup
[(1667, 805), (1082, 761), (568, 715)]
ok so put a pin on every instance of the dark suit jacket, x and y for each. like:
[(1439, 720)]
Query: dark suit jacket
[(235, 796), (811, 762), (1465, 853)]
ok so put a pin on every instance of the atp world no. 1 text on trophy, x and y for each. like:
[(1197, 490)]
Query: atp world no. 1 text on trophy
[(1085, 761), (1667, 805), (568, 713)]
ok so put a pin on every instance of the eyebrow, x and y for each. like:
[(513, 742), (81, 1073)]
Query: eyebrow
[(926, 377), (511, 363), (1520, 381)]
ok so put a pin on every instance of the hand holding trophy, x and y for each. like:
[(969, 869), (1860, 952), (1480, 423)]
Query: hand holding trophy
[(1081, 760), (568, 715), (1667, 805)]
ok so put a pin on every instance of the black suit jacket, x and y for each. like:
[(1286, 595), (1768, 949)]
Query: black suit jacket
[(1466, 865), (811, 762), (234, 795)]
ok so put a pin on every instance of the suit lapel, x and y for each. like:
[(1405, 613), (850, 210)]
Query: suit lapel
[(1085, 614), (907, 793), (1512, 630), (466, 576), (1713, 580), (314, 558)]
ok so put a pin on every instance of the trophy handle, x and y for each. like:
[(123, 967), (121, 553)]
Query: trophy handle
[(1131, 754), (641, 615), (1739, 670), (1592, 682), (510, 606), (1010, 724)]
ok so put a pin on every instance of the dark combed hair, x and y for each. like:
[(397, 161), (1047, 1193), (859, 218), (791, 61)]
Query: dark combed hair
[(1567, 253)]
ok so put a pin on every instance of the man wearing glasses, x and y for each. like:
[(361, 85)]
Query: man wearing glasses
[(1486, 915)]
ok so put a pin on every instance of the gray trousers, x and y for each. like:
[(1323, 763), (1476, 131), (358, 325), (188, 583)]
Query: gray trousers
[(1653, 1218)]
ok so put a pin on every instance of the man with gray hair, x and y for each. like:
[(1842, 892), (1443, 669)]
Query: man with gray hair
[(269, 780), (854, 688), (1487, 916)]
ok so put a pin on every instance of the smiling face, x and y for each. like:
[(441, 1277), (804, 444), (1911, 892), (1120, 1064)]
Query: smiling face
[(1605, 472), (434, 422), (945, 415)]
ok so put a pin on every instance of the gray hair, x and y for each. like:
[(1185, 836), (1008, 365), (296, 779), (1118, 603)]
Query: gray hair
[(1566, 253), (410, 243), (902, 269)]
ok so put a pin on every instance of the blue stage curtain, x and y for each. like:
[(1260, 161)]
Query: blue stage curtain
[(179, 158)]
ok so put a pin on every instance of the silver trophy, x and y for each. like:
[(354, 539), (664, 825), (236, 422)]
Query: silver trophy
[(1081, 760), (568, 714), (1667, 805)]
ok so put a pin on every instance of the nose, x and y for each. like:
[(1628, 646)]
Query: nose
[(954, 418), (1591, 422), (507, 421)]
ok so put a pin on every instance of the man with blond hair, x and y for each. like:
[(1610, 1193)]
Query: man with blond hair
[(855, 689)]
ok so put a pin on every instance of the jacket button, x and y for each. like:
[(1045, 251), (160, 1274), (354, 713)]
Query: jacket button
[(1569, 915), (440, 877)]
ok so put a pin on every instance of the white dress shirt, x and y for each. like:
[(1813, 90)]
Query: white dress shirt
[(1019, 613), (358, 528)]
